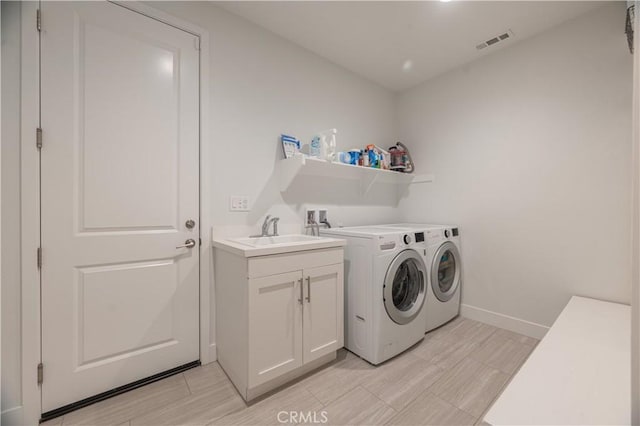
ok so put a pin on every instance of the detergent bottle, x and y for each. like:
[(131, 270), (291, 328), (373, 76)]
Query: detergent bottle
[(327, 142)]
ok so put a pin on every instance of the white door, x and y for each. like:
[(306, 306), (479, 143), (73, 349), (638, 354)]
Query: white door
[(275, 326), (119, 169), (323, 311)]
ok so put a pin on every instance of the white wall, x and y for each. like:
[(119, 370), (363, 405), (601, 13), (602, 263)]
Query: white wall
[(531, 149), (262, 86), (10, 202)]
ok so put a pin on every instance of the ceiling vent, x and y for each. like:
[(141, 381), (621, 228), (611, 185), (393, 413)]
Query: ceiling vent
[(495, 40)]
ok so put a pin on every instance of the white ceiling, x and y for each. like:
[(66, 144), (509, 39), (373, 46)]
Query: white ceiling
[(376, 39)]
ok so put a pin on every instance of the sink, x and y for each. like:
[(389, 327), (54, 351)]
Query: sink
[(280, 239), (265, 246)]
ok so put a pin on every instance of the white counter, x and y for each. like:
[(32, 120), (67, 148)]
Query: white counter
[(579, 374), (235, 245)]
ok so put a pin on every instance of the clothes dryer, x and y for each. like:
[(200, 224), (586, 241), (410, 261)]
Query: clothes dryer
[(385, 289), (444, 264)]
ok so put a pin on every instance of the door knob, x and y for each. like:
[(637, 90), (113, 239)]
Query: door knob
[(188, 244)]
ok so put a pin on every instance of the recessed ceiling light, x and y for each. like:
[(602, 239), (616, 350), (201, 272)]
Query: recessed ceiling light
[(445, 1), (408, 64)]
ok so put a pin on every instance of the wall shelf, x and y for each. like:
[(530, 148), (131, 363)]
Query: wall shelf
[(290, 168)]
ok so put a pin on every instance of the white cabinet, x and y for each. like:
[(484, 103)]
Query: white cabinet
[(277, 316), (275, 326), (322, 319)]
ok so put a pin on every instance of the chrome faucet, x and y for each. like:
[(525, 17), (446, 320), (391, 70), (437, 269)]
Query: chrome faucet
[(273, 220), (266, 225)]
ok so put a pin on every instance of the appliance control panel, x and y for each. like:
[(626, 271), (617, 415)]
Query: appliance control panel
[(435, 235), (389, 245), (390, 242), (453, 232), (387, 242)]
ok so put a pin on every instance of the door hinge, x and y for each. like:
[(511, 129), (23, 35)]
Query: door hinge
[(39, 255), (39, 138), (40, 373), (38, 20)]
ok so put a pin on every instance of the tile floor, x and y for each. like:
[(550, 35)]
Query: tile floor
[(450, 378)]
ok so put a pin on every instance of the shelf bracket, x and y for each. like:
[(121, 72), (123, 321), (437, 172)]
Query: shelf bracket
[(367, 182), (403, 190), (288, 169), (429, 178)]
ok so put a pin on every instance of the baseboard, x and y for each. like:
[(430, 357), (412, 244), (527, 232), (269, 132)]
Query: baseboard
[(516, 325), (213, 353), (12, 416)]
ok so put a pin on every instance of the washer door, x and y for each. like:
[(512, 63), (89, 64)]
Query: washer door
[(445, 271), (404, 287)]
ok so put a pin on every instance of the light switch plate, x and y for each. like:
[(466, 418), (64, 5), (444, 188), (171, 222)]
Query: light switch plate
[(239, 203)]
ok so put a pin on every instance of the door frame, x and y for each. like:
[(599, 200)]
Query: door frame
[(635, 246), (30, 198)]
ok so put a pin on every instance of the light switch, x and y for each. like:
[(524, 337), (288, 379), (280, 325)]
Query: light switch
[(239, 203)]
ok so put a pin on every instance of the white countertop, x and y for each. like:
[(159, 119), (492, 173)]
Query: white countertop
[(579, 374), (315, 243)]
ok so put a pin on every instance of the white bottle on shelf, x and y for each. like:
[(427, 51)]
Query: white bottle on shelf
[(325, 142)]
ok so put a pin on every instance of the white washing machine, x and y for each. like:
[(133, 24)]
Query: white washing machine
[(385, 289), (444, 264)]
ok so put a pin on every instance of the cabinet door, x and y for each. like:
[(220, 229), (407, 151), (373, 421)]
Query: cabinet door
[(275, 326), (323, 315)]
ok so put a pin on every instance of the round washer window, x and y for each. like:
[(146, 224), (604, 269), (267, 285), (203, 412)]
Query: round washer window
[(445, 271), (404, 287)]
